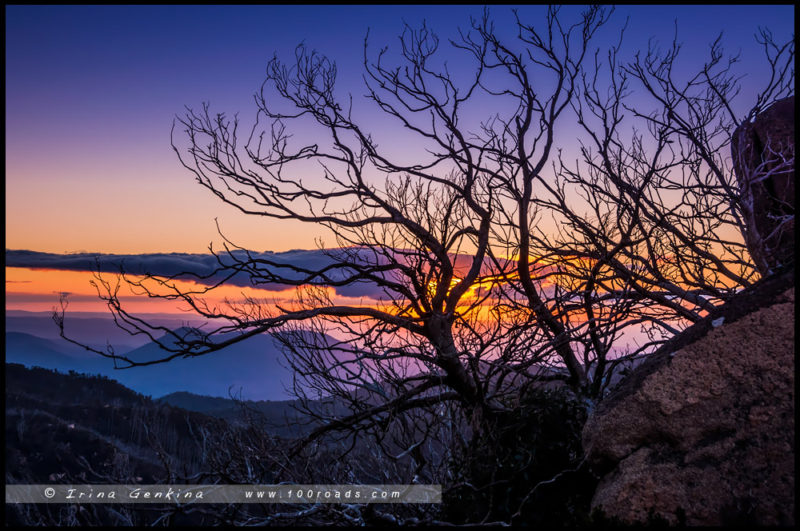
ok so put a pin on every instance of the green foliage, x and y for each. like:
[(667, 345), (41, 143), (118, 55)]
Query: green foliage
[(525, 467)]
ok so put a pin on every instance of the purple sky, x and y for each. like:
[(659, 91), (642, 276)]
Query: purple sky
[(91, 92)]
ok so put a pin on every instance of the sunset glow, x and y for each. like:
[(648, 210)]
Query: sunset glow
[(503, 257), (102, 159), (38, 290)]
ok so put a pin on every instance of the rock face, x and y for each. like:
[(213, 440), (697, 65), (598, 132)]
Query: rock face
[(763, 157), (702, 433)]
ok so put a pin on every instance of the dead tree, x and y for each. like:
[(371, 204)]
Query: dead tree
[(502, 264)]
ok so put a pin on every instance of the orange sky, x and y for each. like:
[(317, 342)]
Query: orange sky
[(37, 290)]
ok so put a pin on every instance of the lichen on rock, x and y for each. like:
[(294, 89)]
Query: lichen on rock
[(706, 437)]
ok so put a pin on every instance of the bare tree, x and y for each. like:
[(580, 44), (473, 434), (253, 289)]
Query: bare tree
[(652, 210), (503, 264), (422, 231)]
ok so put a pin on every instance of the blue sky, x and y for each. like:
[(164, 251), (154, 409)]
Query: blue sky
[(92, 92)]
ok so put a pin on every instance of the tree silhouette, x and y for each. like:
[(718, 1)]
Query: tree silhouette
[(511, 254)]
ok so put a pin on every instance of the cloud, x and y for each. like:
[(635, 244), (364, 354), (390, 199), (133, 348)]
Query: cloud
[(204, 268), (207, 269)]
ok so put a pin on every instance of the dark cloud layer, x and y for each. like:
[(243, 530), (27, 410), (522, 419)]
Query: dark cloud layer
[(202, 268)]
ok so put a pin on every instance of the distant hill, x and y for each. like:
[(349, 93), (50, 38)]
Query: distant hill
[(51, 387), (34, 351), (281, 418), (251, 369), (89, 328)]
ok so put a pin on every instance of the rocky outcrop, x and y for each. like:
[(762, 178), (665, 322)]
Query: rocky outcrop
[(702, 433), (763, 157)]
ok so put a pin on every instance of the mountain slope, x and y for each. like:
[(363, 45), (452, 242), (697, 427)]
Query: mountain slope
[(79, 429), (251, 368), (32, 351)]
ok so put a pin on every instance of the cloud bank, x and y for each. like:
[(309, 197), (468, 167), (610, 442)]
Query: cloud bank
[(201, 268)]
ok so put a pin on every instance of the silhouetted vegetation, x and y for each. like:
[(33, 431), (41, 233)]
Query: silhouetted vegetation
[(80, 429), (495, 331), (528, 468)]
